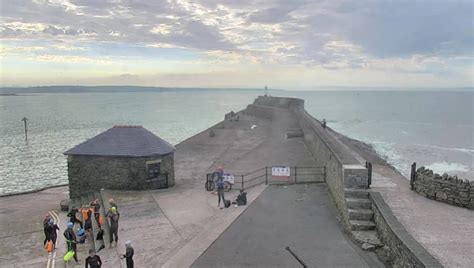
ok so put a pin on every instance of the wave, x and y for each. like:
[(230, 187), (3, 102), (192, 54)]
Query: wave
[(455, 149), (442, 167)]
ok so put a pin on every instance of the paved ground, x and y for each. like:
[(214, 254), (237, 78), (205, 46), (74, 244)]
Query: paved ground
[(445, 231), (168, 228), (299, 216)]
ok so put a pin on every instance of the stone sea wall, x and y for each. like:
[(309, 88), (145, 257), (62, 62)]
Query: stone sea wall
[(402, 249), (444, 188)]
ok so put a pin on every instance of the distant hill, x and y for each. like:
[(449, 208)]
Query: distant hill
[(108, 89)]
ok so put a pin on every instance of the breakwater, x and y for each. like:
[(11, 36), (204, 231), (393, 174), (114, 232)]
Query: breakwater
[(347, 179)]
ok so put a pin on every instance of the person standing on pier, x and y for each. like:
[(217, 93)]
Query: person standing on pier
[(114, 217), (93, 261), (73, 218), (220, 192), (54, 232), (129, 251), (46, 229), (71, 240), (96, 206)]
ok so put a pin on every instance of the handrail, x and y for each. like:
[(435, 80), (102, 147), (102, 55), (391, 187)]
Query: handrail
[(266, 175)]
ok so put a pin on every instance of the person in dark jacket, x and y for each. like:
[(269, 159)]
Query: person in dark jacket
[(71, 240), (93, 261), (114, 217), (242, 198), (100, 238), (54, 232), (73, 218), (47, 229), (96, 206), (220, 192), (129, 251)]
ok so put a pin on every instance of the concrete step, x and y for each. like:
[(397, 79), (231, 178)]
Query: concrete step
[(358, 203), (367, 236), (358, 225), (360, 214), (356, 193)]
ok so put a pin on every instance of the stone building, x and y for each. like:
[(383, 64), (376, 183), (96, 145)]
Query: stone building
[(121, 158)]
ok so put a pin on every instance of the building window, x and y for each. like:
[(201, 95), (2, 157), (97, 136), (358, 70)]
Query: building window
[(154, 170)]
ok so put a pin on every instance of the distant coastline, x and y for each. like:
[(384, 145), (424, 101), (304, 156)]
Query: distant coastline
[(14, 91), (11, 91), (8, 94)]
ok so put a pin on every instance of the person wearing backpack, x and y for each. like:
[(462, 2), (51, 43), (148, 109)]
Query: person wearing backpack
[(71, 240), (114, 217)]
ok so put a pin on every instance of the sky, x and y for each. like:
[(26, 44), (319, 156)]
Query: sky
[(286, 44)]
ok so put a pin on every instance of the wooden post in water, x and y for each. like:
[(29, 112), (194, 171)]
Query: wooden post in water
[(26, 129)]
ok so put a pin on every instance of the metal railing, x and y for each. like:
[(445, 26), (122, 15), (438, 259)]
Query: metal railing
[(264, 175)]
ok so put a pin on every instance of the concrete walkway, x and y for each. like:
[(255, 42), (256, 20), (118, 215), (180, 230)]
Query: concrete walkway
[(169, 227), (446, 231), (302, 217)]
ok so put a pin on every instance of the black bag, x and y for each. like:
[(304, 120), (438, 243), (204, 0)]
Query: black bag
[(226, 203)]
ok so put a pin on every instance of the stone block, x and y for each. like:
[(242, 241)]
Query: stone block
[(441, 195)]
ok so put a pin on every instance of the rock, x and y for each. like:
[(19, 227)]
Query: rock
[(368, 247), (441, 195), (420, 169)]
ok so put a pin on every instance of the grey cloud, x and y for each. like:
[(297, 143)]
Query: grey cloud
[(382, 29)]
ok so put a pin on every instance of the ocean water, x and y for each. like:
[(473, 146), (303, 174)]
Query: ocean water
[(435, 129)]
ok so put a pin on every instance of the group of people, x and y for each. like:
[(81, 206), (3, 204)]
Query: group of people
[(93, 260)]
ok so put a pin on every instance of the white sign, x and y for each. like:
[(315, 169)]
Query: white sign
[(281, 171)]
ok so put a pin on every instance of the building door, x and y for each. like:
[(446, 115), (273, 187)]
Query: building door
[(156, 178)]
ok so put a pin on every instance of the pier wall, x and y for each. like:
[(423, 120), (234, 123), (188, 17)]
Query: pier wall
[(343, 170), (444, 188)]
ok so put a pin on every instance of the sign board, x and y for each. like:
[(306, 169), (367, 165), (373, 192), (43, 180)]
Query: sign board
[(281, 171)]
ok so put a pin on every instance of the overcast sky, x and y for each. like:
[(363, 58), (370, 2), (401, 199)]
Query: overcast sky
[(287, 44)]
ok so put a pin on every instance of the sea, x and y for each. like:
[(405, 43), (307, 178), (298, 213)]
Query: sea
[(432, 128)]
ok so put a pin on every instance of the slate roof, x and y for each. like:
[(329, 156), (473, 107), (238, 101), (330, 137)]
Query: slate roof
[(134, 141)]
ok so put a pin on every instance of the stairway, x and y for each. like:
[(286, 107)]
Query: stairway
[(359, 210)]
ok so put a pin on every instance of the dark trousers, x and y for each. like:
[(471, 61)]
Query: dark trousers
[(97, 215), (129, 263), (113, 233), (47, 237), (220, 195), (72, 246), (54, 238)]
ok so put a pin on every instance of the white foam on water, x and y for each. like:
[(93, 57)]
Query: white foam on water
[(463, 150), (442, 167)]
